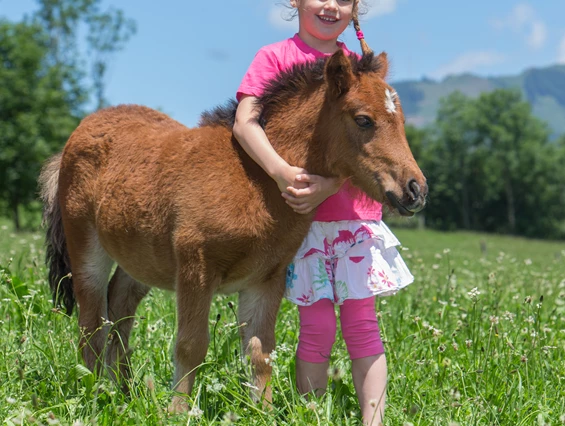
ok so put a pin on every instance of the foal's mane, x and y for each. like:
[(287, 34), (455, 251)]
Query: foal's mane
[(298, 80)]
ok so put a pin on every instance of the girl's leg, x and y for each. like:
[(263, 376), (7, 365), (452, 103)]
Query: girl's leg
[(317, 336), (368, 363)]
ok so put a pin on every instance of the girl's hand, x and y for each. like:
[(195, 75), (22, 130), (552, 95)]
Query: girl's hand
[(305, 199), (285, 177)]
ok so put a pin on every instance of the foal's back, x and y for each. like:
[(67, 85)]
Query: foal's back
[(149, 186)]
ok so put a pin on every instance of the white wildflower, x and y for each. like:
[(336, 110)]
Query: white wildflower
[(215, 386), (230, 418), (335, 373), (508, 316), (474, 293), (436, 332), (106, 321), (195, 412)]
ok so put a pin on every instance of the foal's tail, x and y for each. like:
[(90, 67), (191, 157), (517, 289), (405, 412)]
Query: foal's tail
[(57, 256)]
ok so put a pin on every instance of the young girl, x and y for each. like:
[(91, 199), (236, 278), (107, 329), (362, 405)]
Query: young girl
[(349, 255)]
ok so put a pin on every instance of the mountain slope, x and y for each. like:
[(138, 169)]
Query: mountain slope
[(544, 88)]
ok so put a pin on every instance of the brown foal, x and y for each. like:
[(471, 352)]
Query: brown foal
[(187, 210)]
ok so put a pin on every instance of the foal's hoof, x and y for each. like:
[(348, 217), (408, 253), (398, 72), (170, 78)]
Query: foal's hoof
[(178, 405)]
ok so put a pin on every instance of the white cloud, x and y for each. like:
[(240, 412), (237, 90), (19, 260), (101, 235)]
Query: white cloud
[(523, 20), (538, 35), (561, 51), (518, 18), (468, 62), (378, 7), (277, 16)]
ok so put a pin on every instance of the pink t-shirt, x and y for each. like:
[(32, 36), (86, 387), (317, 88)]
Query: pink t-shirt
[(348, 203)]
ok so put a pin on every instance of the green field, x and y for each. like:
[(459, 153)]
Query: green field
[(490, 356)]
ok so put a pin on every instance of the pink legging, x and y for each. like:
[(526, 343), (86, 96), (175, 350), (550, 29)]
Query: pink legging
[(358, 324)]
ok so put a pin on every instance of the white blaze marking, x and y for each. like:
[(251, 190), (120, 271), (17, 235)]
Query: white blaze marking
[(389, 101)]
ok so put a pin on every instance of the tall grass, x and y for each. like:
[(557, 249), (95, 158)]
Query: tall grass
[(478, 339)]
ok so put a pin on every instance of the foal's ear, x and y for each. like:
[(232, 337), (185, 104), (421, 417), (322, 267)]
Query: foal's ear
[(339, 75), (382, 62)]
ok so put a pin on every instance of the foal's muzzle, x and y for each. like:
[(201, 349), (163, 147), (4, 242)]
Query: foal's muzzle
[(413, 199)]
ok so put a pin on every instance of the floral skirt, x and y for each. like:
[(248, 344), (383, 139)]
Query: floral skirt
[(346, 260)]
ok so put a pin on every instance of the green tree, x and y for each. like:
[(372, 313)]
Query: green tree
[(491, 167), (43, 85), (106, 33), (447, 164), (544, 191), (36, 112), (509, 133)]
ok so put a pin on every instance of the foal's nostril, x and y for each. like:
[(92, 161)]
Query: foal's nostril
[(414, 189)]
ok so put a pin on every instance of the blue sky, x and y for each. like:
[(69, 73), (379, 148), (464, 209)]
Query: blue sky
[(190, 56)]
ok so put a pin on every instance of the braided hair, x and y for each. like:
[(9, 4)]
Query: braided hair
[(360, 36)]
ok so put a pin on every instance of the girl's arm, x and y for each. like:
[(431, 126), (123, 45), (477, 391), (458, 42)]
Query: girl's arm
[(253, 140), (302, 191)]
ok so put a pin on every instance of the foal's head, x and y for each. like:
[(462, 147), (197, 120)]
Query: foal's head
[(345, 104), (364, 124)]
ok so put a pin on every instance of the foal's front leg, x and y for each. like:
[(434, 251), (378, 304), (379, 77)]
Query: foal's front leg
[(194, 297), (258, 308)]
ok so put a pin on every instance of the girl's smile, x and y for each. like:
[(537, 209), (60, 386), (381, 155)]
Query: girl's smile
[(327, 19)]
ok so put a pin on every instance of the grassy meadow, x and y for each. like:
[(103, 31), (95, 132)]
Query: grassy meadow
[(478, 339)]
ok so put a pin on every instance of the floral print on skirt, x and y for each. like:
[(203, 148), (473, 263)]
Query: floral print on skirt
[(346, 260)]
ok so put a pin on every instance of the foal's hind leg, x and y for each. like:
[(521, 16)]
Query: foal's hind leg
[(124, 295), (91, 268), (258, 308)]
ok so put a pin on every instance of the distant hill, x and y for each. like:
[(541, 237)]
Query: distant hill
[(544, 88)]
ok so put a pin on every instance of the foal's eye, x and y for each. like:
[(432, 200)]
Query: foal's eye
[(364, 122)]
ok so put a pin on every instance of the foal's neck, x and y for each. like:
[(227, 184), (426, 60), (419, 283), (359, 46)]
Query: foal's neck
[(299, 136)]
